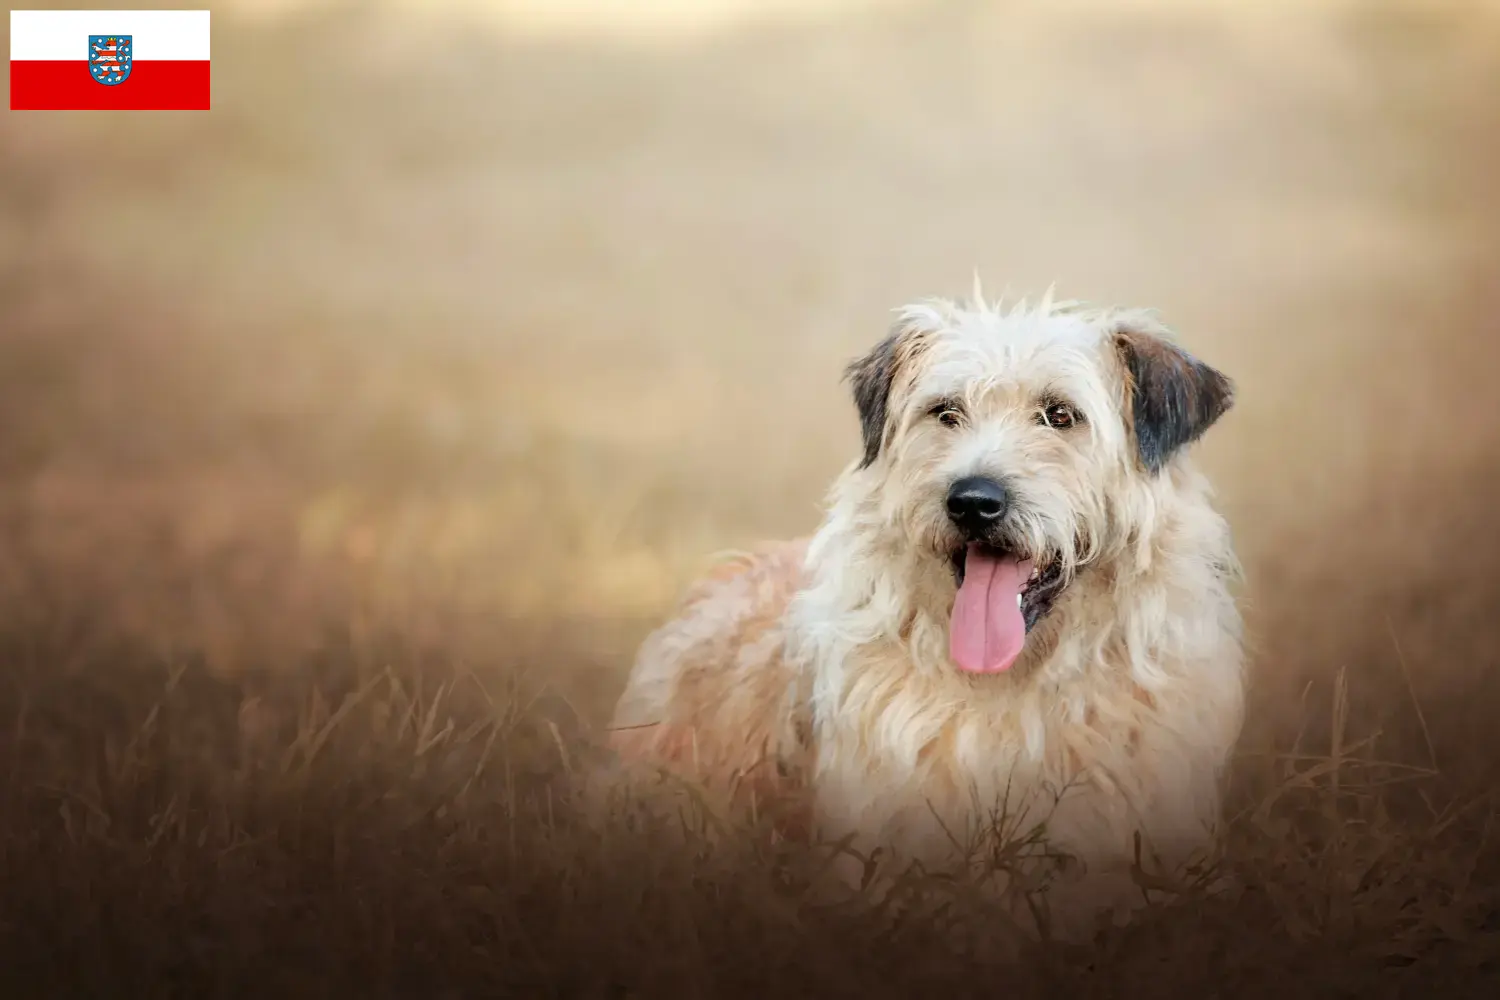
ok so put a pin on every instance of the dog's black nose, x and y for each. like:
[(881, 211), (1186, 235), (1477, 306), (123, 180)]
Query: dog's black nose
[(975, 503)]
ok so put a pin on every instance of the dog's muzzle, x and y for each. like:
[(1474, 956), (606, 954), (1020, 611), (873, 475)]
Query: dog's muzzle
[(1004, 589)]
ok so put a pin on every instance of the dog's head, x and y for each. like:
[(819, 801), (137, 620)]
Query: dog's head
[(1009, 445)]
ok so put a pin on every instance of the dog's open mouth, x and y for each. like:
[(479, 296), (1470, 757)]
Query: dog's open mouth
[(1001, 597)]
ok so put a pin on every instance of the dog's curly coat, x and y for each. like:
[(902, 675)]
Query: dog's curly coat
[(836, 667)]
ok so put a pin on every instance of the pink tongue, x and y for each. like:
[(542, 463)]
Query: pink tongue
[(987, 631)]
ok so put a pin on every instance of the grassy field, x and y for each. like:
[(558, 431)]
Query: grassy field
[(353, 434)]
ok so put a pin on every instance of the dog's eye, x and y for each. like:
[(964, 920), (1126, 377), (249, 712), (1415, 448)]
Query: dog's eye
[(1059, 416), (947, 412)]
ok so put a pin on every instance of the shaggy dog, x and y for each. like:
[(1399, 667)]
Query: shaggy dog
[(1016, 612)]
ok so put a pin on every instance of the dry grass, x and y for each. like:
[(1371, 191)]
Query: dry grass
[(387, 823), (341, 475)]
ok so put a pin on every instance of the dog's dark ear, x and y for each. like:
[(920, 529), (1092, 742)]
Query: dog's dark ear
[(872, 378), (1173, 397)]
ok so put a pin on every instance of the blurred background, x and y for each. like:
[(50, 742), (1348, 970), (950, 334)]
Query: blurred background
[(474, 328)]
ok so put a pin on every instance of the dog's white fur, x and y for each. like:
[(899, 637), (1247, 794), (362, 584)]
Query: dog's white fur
[(823, 667)]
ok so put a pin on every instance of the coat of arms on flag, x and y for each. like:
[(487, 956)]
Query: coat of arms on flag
[(109, 58)]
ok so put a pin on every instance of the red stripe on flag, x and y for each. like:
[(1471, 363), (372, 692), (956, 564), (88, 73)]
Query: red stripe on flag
[(67, 85)]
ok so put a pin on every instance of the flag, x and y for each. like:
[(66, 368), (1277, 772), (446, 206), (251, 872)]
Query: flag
[(125, 60)]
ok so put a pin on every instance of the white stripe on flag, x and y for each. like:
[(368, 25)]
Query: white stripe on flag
[(64, 34)]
